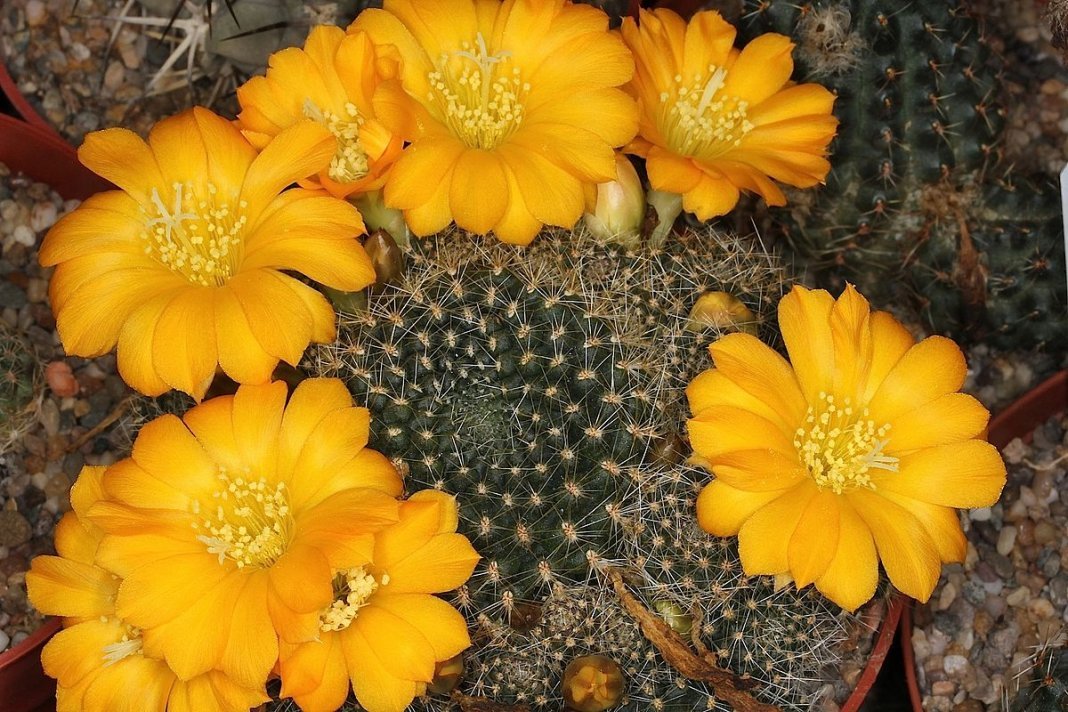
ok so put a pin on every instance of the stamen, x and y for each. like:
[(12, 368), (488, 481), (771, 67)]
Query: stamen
[(199, 237), (350, 161), (839, 446), (483, 104), (699, 120), (249, 522), (353, 589), (129, 645)]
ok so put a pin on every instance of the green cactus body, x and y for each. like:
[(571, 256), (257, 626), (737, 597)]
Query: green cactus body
[(544, 387), (20, 380), (915, 158), (1047, 688)]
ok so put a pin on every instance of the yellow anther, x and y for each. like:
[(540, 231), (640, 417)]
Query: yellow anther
[(353, 589), (175, 235), (253, 527), (840, 449), (700, 119), (478, 95), (350, 161)]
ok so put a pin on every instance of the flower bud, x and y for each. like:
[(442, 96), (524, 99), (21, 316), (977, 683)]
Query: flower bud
[(677, 619), (722, 311), (620, 207), (386, 256), (592, 683)]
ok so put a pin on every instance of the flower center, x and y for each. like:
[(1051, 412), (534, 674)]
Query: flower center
[(248, 521), (353, 589), (198, 235), (840, 446), (481, 99), (699, 120), (129, 644), (350, 162)]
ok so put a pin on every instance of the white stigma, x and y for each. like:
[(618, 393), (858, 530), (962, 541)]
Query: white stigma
[(699, 119)]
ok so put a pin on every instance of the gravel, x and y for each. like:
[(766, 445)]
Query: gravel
[(75, 397)]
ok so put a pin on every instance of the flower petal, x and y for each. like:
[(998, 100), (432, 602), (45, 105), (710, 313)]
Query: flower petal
[(760, 470), (722, 509), (441, 624), (814, 542), (410, 655), (60, 587), (377, 688), (766, 375), (722, 429), (764, 538), (315, 676), (442, 564), (928, 370), (941, 523), (951, 418), (805, 322), (122, 157), (908, 554), (478, 211), (853, 574), (184, 353), (962, 474), (296, 152)]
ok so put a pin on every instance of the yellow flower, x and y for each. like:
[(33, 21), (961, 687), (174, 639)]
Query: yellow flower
[(98, 658), (384, 631), (182, 267), (226, 530), (331, 81), (857, 452), (511, 108), (715, 120)]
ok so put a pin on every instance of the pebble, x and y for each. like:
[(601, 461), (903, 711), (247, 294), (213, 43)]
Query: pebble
[(1006, 540), (5, 640), (61, 379), (954, 664)]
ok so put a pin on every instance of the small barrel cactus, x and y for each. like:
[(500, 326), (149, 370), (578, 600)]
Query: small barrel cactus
[(544, 388), (20, 384), (915, 209)]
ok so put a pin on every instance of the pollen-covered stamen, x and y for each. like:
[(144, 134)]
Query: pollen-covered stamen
[(350, 162), (353, 589), (247, 521), (129, 644), (699, 119), (479, 95), (840, 446), (198, 235)]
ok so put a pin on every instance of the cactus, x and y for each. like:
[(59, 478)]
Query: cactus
[(1046, 687), (544, 387), (916, 206), (20, 384)]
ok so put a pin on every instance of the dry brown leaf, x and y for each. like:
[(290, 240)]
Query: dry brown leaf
[(701, 667)]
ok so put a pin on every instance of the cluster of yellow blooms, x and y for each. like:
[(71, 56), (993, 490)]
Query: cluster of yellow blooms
[(255, 537)]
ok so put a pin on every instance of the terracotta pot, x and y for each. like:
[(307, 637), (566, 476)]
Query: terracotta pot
[(46, 158), (22, 107), (1019, 420), (23, 685), (884, 639)]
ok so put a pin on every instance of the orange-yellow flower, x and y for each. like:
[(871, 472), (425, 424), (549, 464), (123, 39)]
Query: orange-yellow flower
[(512, 110), (227, 529), (384, 630), (857, 451), (98, 658), (331, 81), (715, 120), (182, 267)]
